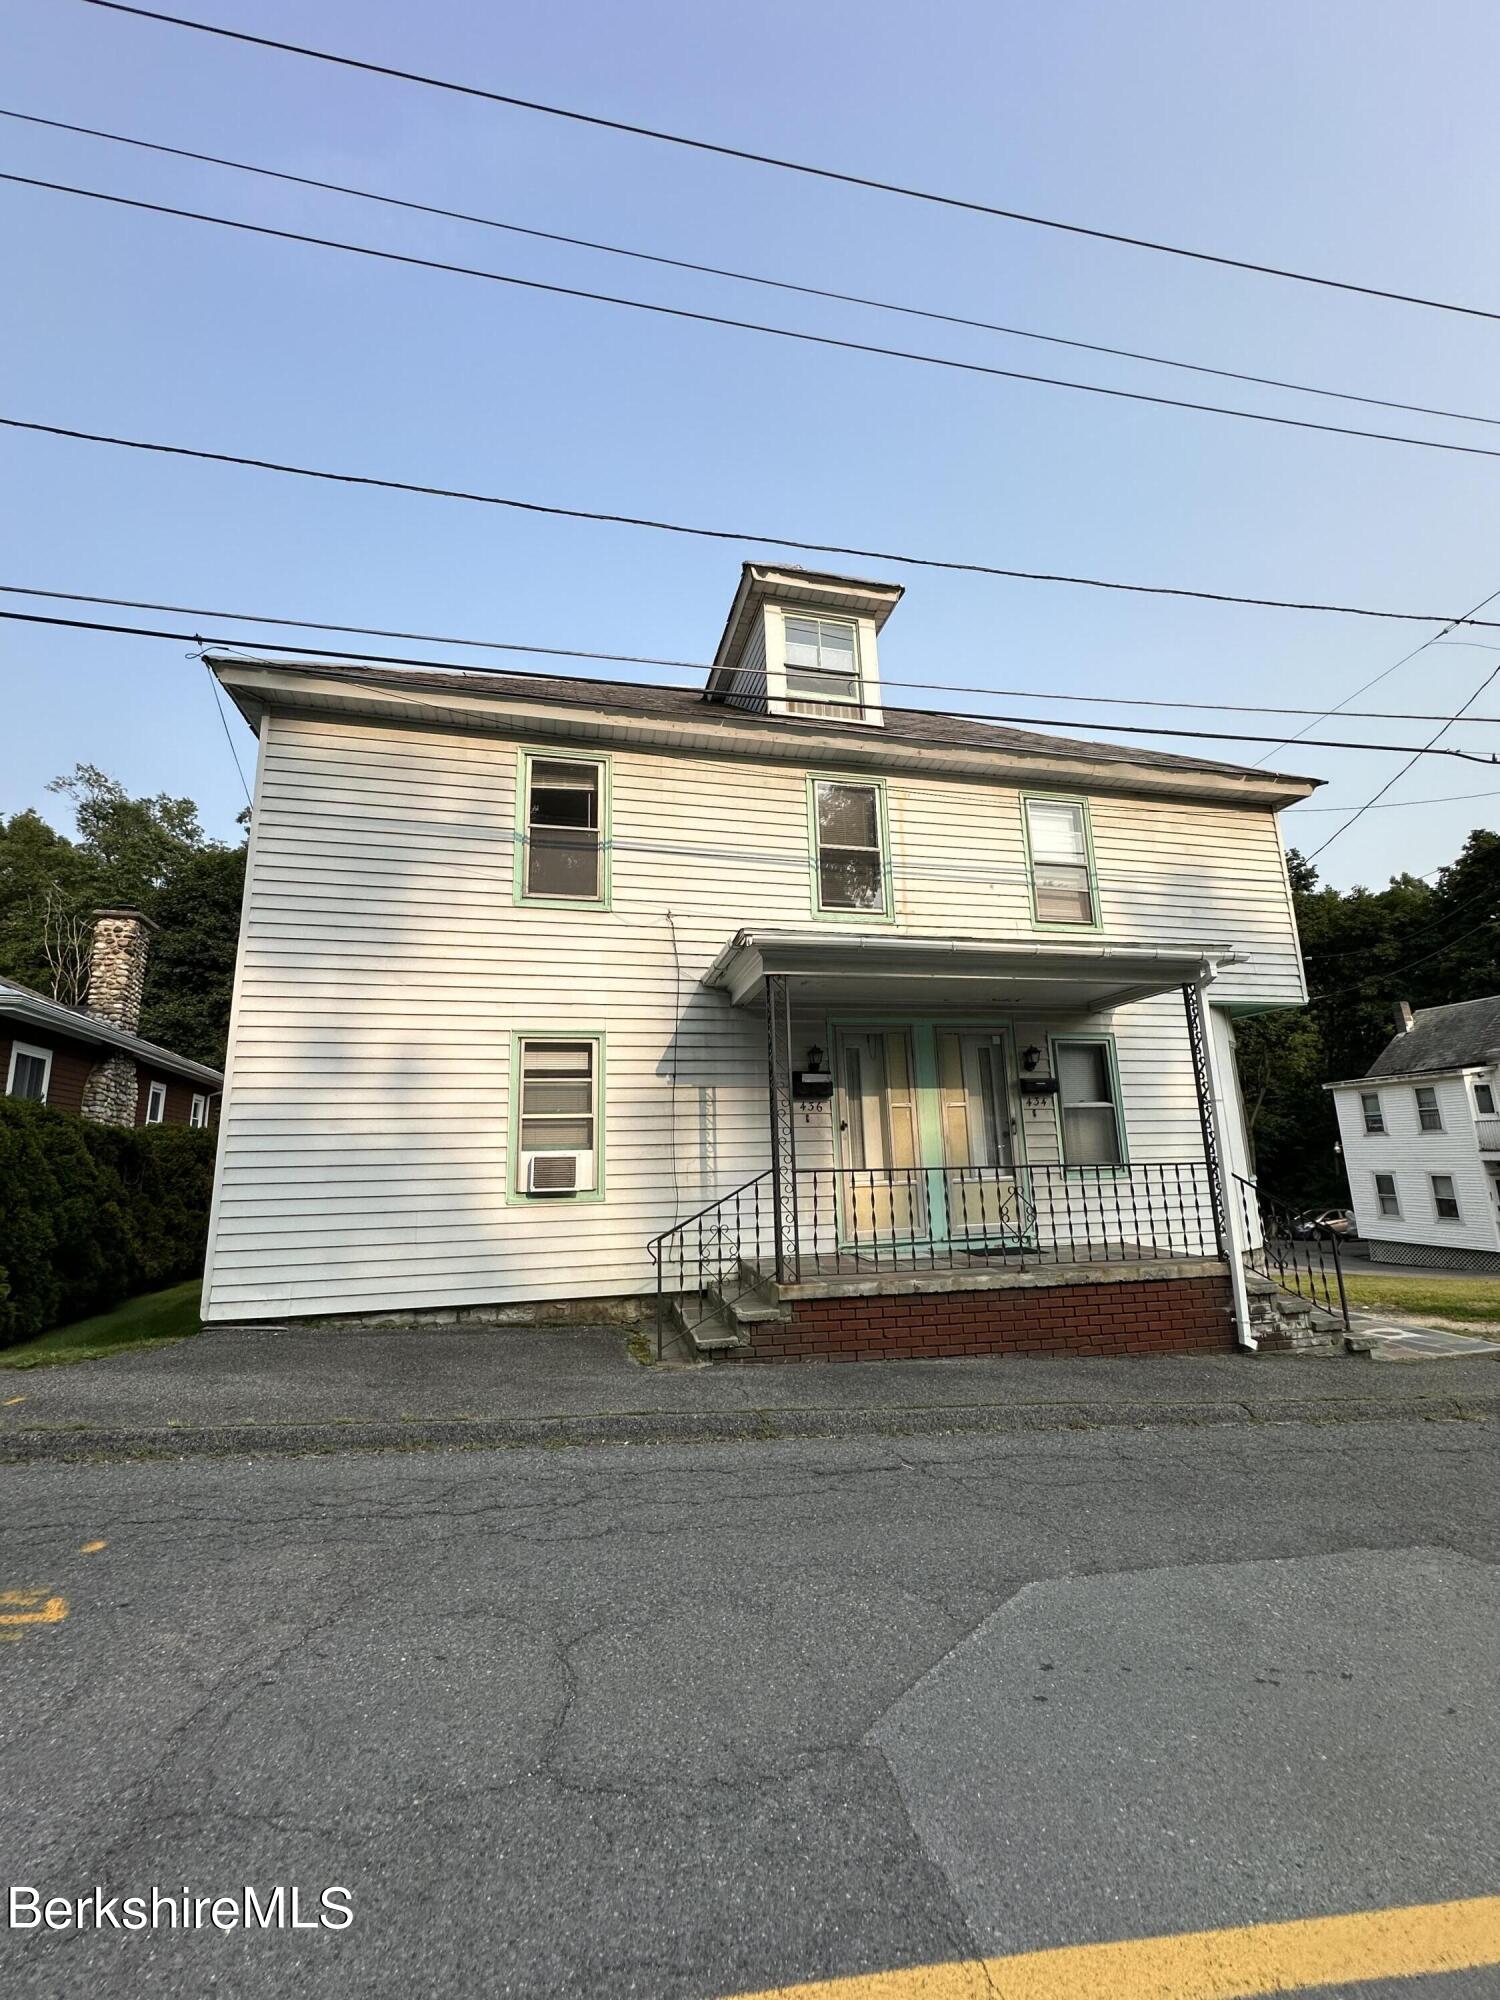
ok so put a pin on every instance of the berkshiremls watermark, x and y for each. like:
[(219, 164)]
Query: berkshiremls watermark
[(246, 1909)]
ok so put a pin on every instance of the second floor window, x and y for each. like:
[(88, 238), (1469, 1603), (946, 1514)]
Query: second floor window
[(849, 848), (563, 858), (1484, 1100), (822, 667), (1063, 890), (1374, 1116), (1429, 1117)]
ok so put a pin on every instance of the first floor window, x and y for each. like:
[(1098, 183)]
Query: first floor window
[(563, 859), (822, 666), (1484, 1100), (30, 1072), (558, 1117), (198, 1110), (1063, 890), (848, 833), (1429, 1117), (1386, 1199), (1374, 1116), (1445, 1198), (1092, 1134), (156, 1103)]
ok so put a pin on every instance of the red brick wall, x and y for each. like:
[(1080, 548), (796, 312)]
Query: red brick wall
[(1148, 1316)]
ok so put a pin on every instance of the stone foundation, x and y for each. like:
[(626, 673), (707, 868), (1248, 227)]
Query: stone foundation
[(1146, 1316)]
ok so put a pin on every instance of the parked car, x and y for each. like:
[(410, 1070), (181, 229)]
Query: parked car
[(1315, 1222)]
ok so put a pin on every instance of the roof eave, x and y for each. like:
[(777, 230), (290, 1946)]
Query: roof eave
[(256, 685)]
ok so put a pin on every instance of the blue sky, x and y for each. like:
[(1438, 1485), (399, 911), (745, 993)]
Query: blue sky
[(1351, 138)]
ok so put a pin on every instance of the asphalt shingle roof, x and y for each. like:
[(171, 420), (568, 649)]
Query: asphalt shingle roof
[(1450, 1037)]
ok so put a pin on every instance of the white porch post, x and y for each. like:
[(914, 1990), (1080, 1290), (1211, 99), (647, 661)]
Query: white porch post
[(1213, 1101)]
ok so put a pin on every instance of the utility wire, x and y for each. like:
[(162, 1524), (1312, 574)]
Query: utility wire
[(706, 666), (228, 736), (1437, 924), (321, 656), (1438, 638), (1359, 813), (837, 342), (1397, 805), (790, 166), (745, 277), (1396, 971), (735, 534)]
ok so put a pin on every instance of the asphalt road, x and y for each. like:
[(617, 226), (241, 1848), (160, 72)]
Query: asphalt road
[(695, 1721)]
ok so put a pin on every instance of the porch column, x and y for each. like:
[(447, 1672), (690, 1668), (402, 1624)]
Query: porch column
[(1226, 1211), (783, 1128)]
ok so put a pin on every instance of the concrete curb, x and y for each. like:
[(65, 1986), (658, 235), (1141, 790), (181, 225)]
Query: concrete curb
[(41, 1444)]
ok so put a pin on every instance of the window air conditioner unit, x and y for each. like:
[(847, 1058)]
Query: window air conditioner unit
[(552, 1173)]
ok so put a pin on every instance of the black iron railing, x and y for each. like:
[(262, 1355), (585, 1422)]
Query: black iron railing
[(1292, 1252), (709, 1262), (858, 1221)]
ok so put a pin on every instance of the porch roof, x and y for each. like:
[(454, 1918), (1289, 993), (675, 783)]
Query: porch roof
[(876, 970)]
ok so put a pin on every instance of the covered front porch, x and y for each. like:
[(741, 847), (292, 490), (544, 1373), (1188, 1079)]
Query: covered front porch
[(949, 1115)]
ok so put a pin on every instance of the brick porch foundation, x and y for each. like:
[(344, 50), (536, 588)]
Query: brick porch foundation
[(1149, 1316)]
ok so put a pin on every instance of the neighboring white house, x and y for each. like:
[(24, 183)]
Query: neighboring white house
[(924, 1012), (1421, 1139)]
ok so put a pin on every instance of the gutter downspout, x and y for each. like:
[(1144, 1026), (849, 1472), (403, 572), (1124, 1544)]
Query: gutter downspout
[(1213, 1111)]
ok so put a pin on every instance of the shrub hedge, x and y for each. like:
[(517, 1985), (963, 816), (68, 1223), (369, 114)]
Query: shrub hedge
[(92, 1214)]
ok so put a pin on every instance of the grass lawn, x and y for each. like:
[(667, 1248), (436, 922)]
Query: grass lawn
[(168, 1315), (1475, 1299)]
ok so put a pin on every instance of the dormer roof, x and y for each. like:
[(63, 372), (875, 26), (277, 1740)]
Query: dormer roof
[(786, 583)]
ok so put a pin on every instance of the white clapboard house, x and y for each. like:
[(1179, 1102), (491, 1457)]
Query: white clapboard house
[(843, 1027), (1420, 1134)]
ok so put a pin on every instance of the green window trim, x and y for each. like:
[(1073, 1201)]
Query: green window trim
[(535, 753), (886, 913), (1061, 799), (515, 1194), (1105, 1041)]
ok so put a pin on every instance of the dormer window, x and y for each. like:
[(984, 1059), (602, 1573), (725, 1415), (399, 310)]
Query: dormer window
[(822, 666)]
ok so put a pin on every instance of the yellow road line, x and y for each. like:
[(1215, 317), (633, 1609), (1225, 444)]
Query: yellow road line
[(20, 1608), (1202, 1965)]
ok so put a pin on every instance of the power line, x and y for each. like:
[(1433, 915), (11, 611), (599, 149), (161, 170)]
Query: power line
[(1030, 722), (743, 277), (1374, 799), (1438, 638), (706, 666), (837, 342), (734, 534), (1395, 972), (228, 736), (1397, 805), (1445, 917), (790, 166)]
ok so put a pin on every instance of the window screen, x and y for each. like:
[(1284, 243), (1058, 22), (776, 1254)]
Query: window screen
[(1374, 1116), (1385, 1194), (822, 665), (1090, 1115), (851, 862), (1429, 1117), (557, 1097), (1062, 884), (562, 829)]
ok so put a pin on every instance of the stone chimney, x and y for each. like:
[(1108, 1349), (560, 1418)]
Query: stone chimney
[(117, 971), (1405, 1019)]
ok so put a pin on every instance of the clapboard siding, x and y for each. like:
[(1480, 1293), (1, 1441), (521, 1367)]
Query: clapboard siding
[(384, 966)]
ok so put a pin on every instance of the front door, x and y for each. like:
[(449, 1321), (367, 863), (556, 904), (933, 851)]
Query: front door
[(882, 1193), (982, 1196), (927, 1137)]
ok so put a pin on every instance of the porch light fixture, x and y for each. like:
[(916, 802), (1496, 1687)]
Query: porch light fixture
[(814, 1057), (1030, 1057)]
